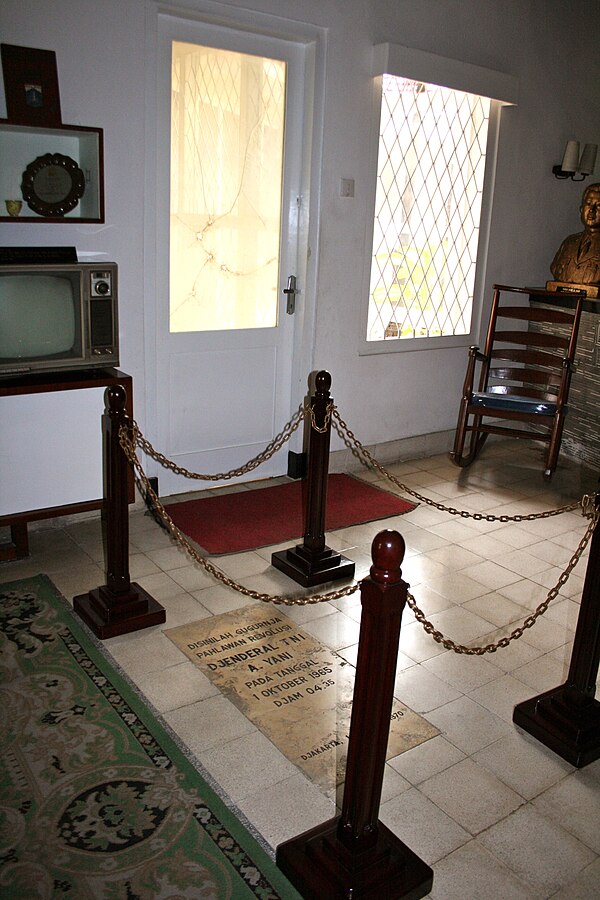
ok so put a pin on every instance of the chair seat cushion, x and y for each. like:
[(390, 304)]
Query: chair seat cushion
[(514, 402)]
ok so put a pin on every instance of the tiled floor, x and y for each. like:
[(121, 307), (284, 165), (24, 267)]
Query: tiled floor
[(495, 813)]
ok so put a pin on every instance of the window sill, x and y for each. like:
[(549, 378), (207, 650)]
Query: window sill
[(410, 345)]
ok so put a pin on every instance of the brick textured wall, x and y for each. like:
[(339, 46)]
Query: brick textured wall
[(581, 436)]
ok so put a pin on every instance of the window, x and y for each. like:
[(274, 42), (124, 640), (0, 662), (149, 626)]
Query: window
[(429, 184), (431, 178)]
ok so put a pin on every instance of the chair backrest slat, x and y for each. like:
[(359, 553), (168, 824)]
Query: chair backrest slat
[(537, 314), (510, 390), (527, 376), (525, 355), (532, 338)]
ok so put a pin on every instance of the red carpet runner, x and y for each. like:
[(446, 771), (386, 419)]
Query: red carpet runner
[(244, 520)]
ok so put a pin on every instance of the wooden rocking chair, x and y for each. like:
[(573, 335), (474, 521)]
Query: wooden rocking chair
[(525, 375)]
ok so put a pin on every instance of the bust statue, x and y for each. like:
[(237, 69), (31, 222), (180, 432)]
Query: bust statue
[(577, 260)]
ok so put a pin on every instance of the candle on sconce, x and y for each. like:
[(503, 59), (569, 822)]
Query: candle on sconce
[(570, 161), (588, 159)]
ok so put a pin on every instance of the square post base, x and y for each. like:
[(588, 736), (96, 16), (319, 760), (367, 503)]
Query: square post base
[(570, 729), (109, 615), (321, 867), (309, 570)]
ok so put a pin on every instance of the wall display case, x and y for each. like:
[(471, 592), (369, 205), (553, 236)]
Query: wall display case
[(53, 174)]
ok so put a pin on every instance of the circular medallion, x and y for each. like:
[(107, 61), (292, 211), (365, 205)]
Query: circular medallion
[(52, 184), (113, 817)]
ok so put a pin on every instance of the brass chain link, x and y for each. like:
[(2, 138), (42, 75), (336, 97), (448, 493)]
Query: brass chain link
[(326, 421), (270, 450), (369, 461), (128, 445), (132, 438), (527, 623)]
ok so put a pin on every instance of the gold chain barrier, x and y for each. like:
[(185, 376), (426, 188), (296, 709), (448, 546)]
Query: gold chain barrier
[(128, 443), (527, 623), (130, 437), (369, 461), (276, 444), (270, 450)]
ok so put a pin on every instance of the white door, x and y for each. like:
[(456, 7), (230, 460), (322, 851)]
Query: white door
[(230, 135)]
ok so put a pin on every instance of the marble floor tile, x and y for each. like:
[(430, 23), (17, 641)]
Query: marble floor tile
[(537, 850), (246, 765), (536, 818), (491, 574), (168, 558), (465, 673), (423, 691), (455, 557), (335, 631), (456, 587), (502, 695), (420, 763), (460, 625), (178, 685), (497, 609), (575, 805), (473, 872), (143, 652), (542, 673), (468, 725), (516, 654), (526, 563), (523, 763), (422, 826), (471, 795), (584, 886), (209, 723), (416, 644), (268, 809)]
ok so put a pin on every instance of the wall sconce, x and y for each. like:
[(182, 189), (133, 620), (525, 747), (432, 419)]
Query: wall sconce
[(575, 165)]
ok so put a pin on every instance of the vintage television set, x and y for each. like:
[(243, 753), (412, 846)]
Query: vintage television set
[(58, 317)]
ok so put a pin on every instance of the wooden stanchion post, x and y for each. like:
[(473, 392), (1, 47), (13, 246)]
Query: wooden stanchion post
[(567, 718), (118, 606), (313, 562), (355, 855)]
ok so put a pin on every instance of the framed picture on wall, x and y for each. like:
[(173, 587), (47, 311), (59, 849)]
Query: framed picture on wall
[(30, 85)]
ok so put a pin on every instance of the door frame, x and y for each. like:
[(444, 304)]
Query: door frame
[(312, 41)]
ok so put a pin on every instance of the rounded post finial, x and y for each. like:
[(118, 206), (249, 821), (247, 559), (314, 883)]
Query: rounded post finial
[(115, 398), (323, 382), (387, 553)]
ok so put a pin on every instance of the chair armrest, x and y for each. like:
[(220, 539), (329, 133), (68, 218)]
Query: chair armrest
[(475, 356)]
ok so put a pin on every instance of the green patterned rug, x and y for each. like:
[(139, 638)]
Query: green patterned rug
[(96, 799)]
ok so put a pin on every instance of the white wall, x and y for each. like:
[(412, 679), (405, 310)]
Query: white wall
[(551, 47)]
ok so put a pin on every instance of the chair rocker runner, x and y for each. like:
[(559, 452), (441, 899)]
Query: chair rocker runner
[(524, 375)]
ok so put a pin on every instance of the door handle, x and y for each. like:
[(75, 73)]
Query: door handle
[(290, 291)]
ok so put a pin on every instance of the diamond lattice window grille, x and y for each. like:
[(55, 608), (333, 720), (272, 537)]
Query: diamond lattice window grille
[(431, 165)]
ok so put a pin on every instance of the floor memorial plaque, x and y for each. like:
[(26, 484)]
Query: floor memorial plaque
[(292, 687)]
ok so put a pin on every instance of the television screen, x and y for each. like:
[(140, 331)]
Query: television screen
[(39, 315)]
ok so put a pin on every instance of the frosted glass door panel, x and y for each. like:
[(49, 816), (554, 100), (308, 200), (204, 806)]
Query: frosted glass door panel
[(227, 132)]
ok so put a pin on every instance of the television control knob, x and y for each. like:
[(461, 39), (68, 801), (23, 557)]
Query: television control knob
[(102, 287)]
